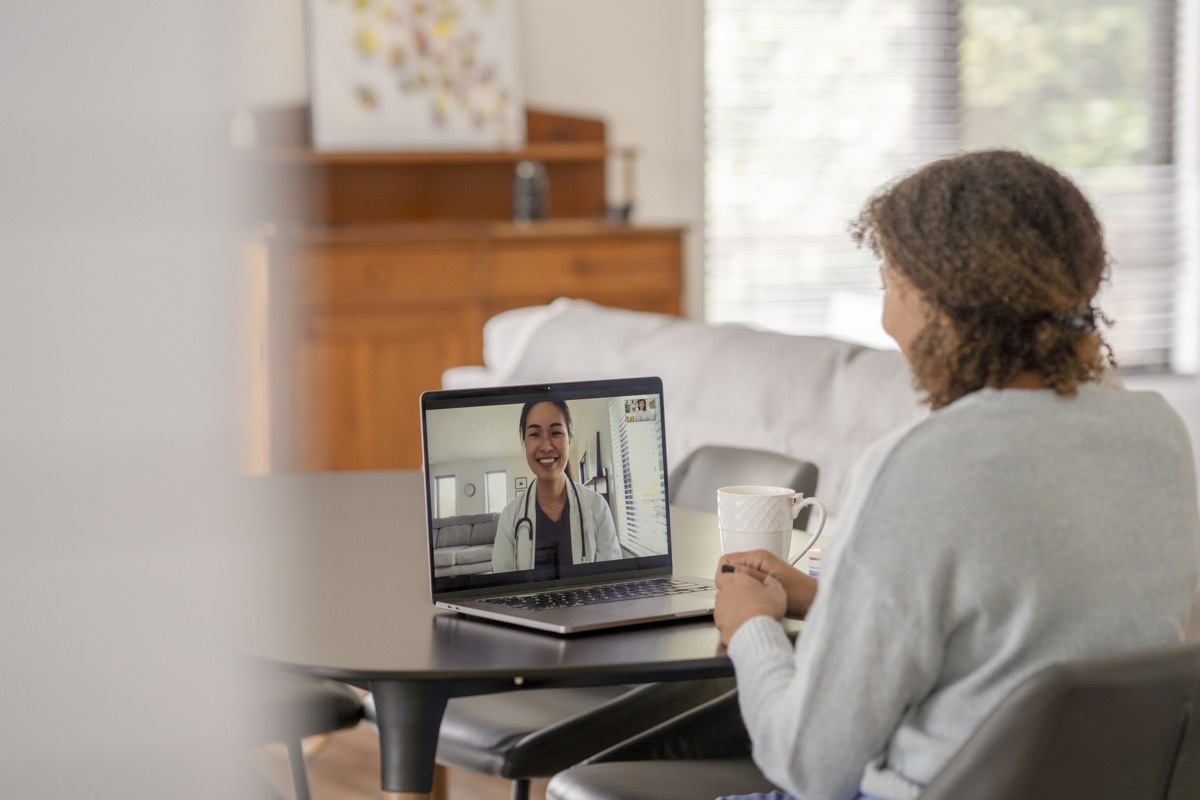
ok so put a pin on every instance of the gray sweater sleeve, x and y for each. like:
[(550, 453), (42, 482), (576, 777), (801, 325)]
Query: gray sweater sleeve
[(818, 714)]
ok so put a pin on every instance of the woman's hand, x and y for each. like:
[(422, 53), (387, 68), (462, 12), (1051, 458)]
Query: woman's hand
[(800, 589), (741, 596)]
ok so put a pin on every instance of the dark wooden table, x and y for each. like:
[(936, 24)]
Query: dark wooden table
[(350, 601)]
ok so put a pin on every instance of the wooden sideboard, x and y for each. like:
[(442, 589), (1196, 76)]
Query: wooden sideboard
[(368, 317), (382, 280)]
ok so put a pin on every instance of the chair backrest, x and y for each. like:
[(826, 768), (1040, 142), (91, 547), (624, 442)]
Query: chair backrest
[(694, 483), (1120, 728)]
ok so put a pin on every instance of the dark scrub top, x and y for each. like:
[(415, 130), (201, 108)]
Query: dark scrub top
[(553, 542)]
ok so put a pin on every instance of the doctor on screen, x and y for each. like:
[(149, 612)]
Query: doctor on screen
[(556, 521)]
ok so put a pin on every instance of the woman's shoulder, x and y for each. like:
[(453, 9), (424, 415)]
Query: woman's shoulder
[(993, 421)]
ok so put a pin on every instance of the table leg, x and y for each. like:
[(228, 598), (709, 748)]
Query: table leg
[(409, 716)]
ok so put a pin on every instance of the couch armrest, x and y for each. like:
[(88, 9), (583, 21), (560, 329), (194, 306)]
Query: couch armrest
[(505, 337)]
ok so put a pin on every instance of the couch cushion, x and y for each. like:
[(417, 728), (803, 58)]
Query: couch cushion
[(465, 569), (476, 554), (483, 532), (453, 536), (461, 529)]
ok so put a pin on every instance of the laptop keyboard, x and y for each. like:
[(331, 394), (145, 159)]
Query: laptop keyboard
[(590, 595)]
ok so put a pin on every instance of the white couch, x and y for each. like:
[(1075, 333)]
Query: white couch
[(816, 398)]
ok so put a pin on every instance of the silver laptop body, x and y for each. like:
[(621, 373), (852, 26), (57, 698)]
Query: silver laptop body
[(487, 563)]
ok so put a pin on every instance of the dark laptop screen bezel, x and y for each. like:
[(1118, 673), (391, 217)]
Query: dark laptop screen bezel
[(451, 586)]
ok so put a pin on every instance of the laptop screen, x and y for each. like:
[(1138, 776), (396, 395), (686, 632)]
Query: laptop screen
[(500, 513)]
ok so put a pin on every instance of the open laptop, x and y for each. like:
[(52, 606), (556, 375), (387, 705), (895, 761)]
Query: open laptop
[(495, 553)]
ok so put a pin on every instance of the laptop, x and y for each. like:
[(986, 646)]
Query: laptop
[(495, 552)]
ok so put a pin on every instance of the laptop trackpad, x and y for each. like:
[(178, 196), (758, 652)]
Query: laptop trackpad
[(693, 604)]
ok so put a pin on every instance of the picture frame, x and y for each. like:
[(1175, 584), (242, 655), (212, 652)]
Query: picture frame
[(520, 482), (413, 75)]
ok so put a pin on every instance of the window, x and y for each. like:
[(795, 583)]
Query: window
[(495, 487), (639, 506), (445, 496), (814, 104)]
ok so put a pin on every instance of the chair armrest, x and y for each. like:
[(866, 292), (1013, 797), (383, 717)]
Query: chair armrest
[(543, 751), (709, 731)]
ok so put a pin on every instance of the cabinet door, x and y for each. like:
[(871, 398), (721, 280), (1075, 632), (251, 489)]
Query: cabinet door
[(358, 383), (371, 327), (643, 272)]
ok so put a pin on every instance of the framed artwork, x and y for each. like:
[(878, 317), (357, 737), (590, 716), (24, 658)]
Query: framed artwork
[(414, 75), (520, 483)]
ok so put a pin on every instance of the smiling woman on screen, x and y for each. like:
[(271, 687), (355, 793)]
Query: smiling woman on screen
[(555, 522), (981, 542)]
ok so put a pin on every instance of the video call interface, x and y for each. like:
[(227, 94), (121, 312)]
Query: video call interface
[(479, 467)]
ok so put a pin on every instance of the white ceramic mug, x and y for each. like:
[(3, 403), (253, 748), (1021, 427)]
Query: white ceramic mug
[(760, 517)]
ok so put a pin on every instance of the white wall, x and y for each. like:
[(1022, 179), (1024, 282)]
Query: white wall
[(639, 65), (636, 64), (474, 471)]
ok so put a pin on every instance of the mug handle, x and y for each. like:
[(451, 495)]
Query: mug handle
[(799, 502)]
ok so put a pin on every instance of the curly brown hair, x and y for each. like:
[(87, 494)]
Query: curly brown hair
[(1008, 254)]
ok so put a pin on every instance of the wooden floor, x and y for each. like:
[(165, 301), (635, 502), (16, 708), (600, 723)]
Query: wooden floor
[(345, 766)]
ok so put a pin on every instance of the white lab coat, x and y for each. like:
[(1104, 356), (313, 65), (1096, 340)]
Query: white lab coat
[(596, 542)]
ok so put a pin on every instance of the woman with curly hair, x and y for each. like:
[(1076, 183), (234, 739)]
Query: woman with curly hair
[(986, 540)]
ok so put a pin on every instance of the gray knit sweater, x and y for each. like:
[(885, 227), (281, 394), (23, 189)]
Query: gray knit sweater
[(1004, 532)]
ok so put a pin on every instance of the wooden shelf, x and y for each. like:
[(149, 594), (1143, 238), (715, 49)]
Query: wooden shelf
[(555, 152), (382, 187), (449, 231)]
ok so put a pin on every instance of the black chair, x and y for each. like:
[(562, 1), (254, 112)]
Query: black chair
[(1119, 728), (537, 733), (704, 753), (694, 482), (291, 708)]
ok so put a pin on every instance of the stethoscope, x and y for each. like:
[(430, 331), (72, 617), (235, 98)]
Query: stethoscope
[(528, 523)]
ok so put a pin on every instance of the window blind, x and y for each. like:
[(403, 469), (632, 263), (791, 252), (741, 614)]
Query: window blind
[(445, 496), (812, 105), (496, 489), (639, 507)]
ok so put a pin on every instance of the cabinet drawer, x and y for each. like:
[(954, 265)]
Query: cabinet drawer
[(368, 275), (590, 267)]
